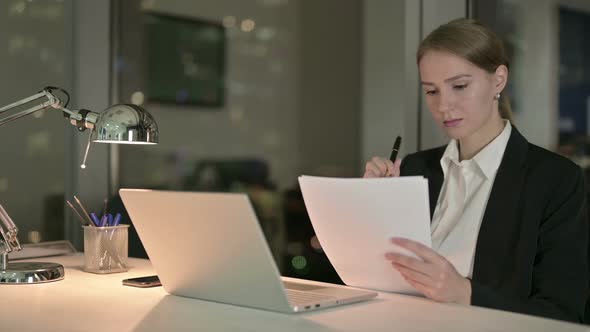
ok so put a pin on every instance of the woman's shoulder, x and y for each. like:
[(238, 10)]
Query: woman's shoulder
[(545, 160), (428, 154), (554, 171), (418, 162)]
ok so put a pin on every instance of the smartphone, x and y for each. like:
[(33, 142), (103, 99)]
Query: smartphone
[(143, 282)]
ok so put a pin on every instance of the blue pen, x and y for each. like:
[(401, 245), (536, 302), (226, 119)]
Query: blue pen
[(104, 221), (117, 219), (95, 219), (110, 219)]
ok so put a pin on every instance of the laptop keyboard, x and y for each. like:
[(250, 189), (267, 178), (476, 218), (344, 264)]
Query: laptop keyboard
[(297, 297)]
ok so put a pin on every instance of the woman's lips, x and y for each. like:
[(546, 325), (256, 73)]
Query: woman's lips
[(452, 123)]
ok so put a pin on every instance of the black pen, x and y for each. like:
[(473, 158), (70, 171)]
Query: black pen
[(395, 149)]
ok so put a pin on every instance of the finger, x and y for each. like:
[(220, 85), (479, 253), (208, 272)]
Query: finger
[(380, 165), (419, 249), (409, 263), (396, 168), (413, 274), (420, 287), (369, 173), (390, 168), (372, 170)]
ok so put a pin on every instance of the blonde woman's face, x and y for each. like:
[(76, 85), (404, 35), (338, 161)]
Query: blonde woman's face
[(459, 95)]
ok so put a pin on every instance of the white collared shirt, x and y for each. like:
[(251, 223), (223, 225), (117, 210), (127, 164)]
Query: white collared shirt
[(463, 199)]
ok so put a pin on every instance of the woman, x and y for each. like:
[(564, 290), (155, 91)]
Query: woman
[(509, 227)]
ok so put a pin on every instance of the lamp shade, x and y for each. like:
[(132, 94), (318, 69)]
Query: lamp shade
[(125, 124)]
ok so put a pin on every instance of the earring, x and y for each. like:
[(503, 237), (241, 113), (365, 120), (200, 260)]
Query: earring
[(497, 96)]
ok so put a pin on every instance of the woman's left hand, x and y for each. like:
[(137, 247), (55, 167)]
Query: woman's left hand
[(434, 276)]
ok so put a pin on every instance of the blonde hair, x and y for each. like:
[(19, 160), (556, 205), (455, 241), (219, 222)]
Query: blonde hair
[(470, 40)]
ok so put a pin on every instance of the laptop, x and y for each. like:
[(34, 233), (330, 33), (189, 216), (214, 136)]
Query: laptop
[(210, 246)]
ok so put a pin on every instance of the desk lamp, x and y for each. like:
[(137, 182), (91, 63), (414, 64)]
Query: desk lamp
[(121, 123)]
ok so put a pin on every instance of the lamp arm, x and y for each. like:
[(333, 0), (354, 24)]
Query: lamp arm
[(52, 101), (8, 228), (9, 233), (82, 119)]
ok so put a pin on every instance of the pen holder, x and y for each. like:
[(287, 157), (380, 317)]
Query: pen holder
[(105, 249)]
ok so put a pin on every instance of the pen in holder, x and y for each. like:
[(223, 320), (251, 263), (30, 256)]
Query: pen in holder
[(105, 249)]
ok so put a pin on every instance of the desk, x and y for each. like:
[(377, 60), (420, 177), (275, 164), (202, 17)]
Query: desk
[(91, 302)]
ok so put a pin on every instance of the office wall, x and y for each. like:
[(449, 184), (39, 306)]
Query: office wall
[(34, 51), (535, 66), (384, 109), (64, 44), (329, 84), (536, 74), (258, 118), (538, 79), (292, 92), (435, 13), (392, 103), (91, 66)]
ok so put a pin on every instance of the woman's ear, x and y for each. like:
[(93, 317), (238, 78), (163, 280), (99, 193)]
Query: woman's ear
[(500, 78)]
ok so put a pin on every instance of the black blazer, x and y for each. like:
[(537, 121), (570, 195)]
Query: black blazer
[(531, 253)]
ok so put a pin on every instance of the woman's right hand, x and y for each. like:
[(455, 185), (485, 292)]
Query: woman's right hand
[(379, 167)]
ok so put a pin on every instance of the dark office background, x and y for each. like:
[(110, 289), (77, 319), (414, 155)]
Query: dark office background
[(297, 87)]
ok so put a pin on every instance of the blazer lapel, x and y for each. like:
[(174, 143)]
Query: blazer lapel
[(499, 224), (435, 179)]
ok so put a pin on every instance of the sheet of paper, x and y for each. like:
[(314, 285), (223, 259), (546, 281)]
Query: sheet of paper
[(354, 220)]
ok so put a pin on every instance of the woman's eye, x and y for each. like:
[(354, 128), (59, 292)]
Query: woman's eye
[(431, 92), (460, 86)]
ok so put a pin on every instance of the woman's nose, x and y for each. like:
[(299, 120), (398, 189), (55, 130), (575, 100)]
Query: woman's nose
[(445, 103)]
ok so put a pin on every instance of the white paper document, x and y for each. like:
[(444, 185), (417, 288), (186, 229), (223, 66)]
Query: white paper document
[(355, 218)]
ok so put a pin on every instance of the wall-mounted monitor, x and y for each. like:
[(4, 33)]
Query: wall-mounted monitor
[(185, 60)]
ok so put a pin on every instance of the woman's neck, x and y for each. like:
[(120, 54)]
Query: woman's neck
[(470, 146)]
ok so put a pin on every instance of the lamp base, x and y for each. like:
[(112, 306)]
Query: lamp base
[(31, 273)]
